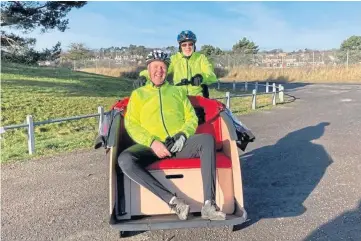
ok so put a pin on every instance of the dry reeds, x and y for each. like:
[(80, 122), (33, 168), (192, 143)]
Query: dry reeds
[(335, 74)]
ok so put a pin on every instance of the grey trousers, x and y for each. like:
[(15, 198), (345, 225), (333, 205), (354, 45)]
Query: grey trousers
[(136, 158)]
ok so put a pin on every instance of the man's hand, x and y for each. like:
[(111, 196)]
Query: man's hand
[(179, 139), (183, 82), (159, 149), (139, 82), (197, 80), (169, 142)]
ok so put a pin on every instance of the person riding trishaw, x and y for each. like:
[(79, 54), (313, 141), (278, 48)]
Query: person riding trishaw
[(168, 134), (192, 71)]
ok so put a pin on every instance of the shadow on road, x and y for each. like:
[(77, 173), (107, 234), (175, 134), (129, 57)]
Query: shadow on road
[(346, 226), (277, 179)]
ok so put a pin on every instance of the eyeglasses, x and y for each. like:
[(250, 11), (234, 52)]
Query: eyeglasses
[(186, 44)]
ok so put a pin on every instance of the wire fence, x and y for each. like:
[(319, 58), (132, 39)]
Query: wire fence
[(231, 60), (30, 124)]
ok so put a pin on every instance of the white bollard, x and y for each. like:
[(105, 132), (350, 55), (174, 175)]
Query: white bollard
[(101, 115), (31, 135), (281, 93), (274, 96), (254, 99), (267, 87), (228, 103), (234, 85), (273, 87), (246, 86)]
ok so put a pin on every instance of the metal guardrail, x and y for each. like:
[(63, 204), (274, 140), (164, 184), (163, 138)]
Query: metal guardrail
[(30, 124), (254, 92)]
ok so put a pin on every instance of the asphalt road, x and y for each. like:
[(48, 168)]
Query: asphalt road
[(302, 180)]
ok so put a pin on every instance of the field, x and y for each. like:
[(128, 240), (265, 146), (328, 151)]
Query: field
[(336, 74), (49, 93)]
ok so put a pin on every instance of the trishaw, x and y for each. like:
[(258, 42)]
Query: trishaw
[(134, 208)]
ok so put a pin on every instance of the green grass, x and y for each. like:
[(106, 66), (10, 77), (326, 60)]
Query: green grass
[(49, 93)]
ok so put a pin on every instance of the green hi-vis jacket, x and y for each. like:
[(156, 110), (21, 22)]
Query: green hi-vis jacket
[(145, 73), (154, 113), (184, 68)]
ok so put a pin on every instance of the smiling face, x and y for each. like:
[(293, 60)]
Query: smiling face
[(157, 72), (187, 48)]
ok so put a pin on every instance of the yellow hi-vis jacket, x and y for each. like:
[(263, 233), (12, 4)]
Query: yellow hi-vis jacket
[(184, 68), (154, 113)]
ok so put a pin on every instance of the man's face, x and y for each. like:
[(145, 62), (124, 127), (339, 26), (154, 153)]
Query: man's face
[(187, 48), (157, 72)]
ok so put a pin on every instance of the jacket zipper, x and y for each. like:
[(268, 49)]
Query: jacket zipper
[(187, 73), (161, 111)]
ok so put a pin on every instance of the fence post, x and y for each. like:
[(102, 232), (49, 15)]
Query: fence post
[(254, 96), (274, 96), (234, 85), (228, 103), (31, 137), (280, 93), (267, 87), (101, 115), (273, 87), (246, 86), (219, 84), (257, 85)]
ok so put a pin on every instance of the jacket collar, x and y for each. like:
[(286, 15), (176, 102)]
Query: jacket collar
[(152, 86)]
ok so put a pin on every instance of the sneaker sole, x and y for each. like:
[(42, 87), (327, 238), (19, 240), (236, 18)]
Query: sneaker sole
[(214, 218)]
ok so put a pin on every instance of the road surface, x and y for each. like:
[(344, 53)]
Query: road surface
[(301, 180)]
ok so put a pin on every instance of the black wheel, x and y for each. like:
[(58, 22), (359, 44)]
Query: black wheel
[(127, 234), (124, 234)]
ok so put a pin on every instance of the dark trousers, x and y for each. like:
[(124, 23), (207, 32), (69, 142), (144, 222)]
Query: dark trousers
[(136, 158)]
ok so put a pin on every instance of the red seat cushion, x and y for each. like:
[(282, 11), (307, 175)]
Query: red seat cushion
[(176, 163)]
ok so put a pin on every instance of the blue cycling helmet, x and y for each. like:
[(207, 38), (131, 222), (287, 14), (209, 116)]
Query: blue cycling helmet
[(186, 35)]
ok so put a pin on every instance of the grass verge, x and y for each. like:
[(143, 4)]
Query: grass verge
[(50, 93)]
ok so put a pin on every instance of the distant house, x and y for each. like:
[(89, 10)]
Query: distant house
[(47, 63)]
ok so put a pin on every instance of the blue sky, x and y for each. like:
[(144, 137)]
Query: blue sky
[(286, 25)]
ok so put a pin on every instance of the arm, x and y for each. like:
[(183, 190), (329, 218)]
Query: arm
[(132, 122), (145, 74), (170, 72), (208, 74), (191, 119)]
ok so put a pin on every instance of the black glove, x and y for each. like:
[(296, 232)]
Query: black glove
[(197, 80), (179, 140), (175, 144), (169, 142), (183, 82), (139, 82)]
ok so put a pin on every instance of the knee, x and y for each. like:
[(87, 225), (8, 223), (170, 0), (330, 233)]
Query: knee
[(207, 141), (125, 161)]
